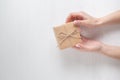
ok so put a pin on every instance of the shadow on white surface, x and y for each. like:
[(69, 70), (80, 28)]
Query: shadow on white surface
[(75, 58)]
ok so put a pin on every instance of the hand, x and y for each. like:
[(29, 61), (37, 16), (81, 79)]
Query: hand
[(89, 45), (83, 19), (92, 45)]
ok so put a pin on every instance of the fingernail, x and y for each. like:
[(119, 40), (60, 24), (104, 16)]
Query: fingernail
[(75, 22), (77, 45)]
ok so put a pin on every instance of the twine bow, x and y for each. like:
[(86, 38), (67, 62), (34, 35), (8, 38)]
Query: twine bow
[(64, 36)]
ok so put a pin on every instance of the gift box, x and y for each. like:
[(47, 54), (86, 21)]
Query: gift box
[(67, 35)]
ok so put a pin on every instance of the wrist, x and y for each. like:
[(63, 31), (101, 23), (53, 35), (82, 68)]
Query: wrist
[(99, 22), (104, 48)]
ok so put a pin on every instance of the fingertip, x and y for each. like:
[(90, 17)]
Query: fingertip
[(67, 20), (76, 22), (77, 45)]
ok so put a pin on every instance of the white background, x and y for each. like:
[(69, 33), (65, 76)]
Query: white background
[(28, 47)]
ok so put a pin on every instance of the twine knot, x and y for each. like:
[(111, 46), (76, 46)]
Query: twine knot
[(64, 36)]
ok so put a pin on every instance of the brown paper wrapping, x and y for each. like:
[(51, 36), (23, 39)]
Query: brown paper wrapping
[(67, 35)]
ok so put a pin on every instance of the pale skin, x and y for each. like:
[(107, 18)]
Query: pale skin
[(83, 19)]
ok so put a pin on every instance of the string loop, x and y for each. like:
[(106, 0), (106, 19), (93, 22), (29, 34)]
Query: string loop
[(64, 36)]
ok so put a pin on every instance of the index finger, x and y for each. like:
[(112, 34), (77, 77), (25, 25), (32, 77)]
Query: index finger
[(73, 16)]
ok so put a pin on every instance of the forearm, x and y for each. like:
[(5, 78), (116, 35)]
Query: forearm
[(112, 51), (111, 19)]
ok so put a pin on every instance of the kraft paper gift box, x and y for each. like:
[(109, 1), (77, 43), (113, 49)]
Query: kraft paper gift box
[(67, 35)]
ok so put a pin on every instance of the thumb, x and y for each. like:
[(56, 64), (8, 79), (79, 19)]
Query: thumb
[(80, 22), (80, 45)]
